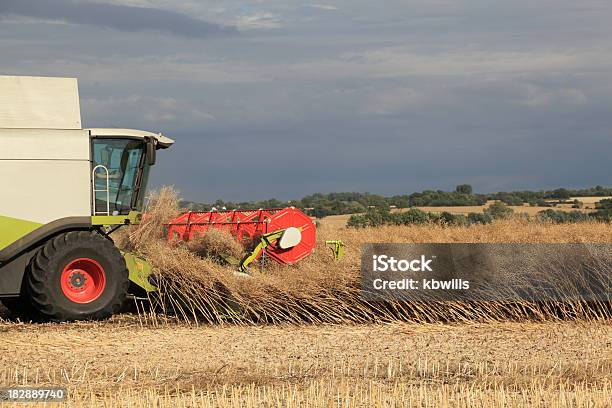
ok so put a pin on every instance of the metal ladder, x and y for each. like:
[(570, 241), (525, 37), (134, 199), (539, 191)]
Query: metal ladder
[(106, 190)]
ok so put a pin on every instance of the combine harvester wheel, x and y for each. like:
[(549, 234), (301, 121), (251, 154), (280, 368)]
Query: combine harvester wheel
[(77, 275)]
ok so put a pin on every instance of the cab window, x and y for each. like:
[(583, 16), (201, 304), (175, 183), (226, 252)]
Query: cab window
[(118, 161)]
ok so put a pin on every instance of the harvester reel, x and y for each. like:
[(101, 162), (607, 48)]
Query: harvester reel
[(296, 242)]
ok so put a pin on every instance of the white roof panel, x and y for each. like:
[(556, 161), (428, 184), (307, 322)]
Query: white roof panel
[(39, 102), (162, 140)]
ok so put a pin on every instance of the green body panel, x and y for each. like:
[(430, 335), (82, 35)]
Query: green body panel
[(12, 229), (139, 270), (264, 241), (133, 218), (337, 248)]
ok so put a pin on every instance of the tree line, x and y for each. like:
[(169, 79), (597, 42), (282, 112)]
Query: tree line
[(324, 204), (376, 217)]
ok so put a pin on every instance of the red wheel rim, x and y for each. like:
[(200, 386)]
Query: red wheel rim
[(83, 280)]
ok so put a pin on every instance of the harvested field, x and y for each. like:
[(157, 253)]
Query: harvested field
[(523, 209), (122, 363), (303, 336), (589, 202)]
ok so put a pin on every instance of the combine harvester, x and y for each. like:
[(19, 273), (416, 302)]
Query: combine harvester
[(285, 235), (64, 189)]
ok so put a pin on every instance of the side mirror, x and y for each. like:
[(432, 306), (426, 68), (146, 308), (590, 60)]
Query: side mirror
[(151, 152)]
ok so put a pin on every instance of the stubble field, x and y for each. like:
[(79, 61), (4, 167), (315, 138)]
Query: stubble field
[(274, 354), (125, 363)]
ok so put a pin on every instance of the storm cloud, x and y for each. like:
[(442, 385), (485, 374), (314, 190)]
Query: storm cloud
[(115, 16), (351, 96)]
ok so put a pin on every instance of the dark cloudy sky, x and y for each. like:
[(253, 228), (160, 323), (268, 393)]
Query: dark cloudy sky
[(282, 98)]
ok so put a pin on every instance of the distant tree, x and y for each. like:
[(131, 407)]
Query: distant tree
[(479, 218), (510, 199), (562, 217), (561, 193), (604, 210), (412, 216), (446, 218), (499, 211), (604, 204), (357, 221), (577, 204), (464, 189), (539, 202)]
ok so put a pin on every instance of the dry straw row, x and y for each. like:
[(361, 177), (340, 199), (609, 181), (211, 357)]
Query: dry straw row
[(196, 287)]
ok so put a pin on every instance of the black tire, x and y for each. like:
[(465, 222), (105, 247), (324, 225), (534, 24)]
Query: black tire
[(44, 278), (21, 308)]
